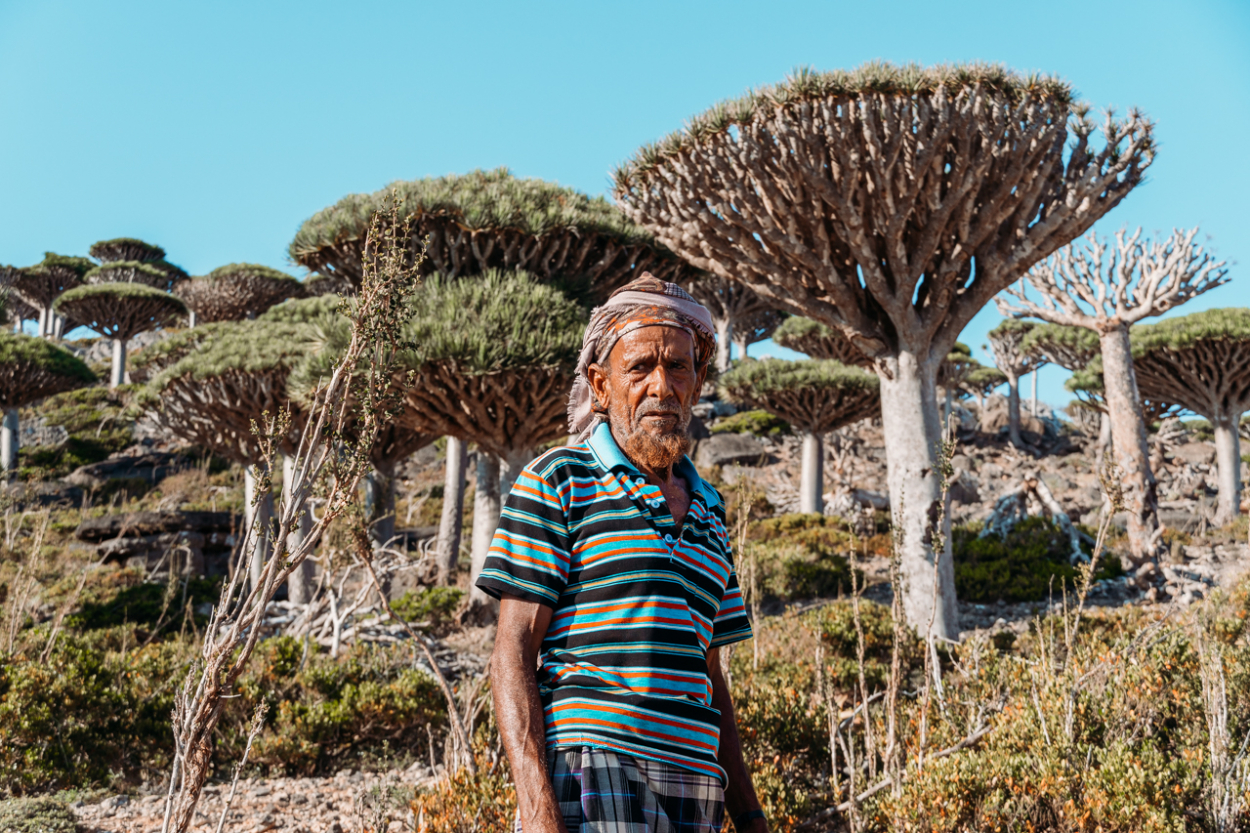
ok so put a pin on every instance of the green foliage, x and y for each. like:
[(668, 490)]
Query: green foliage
[(78, 266), (759, 423), (985, 379), (1068, 347), (799, 557), (120, 292), (247, 346), (477, 200), (94, 419), (796, 327), (1030, 563), (43, 814), (318, 311), (766, 376), (32, 368), (97, 713), (250, 270), (145, 604), (432, 605), (126, 248), (836, 625), (128, 271), (1185, 331), (873, 78)]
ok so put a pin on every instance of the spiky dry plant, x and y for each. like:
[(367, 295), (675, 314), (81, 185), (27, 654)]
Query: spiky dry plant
[(891, 203), (819, 342), (331, 467), (1014, 361), (236, 291), (1107, 289), (815, 396), (493, 220), (31, 369), (1202, 363), (120, 311)]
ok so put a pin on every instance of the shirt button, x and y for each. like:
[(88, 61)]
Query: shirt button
[(668, 539), (642, 481)]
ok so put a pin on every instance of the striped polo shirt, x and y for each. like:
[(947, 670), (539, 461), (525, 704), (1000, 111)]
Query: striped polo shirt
[(637, 602)]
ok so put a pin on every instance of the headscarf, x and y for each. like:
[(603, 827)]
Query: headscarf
[(644, 302)]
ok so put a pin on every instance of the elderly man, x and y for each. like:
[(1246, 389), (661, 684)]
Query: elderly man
[(618, 591)]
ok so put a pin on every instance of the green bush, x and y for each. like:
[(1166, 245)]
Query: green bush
[(836, 625), (36, 815), (432, 605), (1029, 564), (94, 420), (759, 423)]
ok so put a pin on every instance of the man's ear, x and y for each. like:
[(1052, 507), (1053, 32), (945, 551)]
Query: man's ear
[(597, 378)]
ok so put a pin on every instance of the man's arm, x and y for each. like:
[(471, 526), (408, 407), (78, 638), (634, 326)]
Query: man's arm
[(740, 791), (519, 710)]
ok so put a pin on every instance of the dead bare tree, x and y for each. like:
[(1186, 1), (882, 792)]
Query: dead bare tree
[(1108, 289), (891, 203)]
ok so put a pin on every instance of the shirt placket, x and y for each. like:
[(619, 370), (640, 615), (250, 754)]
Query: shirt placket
[(657, 510)]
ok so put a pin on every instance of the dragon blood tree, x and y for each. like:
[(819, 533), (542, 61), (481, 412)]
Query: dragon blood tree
[(818, 341), (1107, 289), (40, 285), (219, 388), (32, 369), (953, 372), (1005, 343), (890, 203), (981, 382), (1202, 363), (491, 362), (236, 291), (740, 316), (127, 253), (466, 224), (815, 396), (120, 311)]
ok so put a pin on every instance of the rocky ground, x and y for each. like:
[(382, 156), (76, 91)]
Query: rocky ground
[(1063, 456)]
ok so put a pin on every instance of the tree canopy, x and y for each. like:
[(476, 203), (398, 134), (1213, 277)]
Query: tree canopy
[(1007, 345), (816, 396), (1072, 348), (492, 219), (818, 341), (237, 290), (1199, 361), (130, 271), (126, 249), (39, 285), (120, 310), (33, 368), (234, 372)]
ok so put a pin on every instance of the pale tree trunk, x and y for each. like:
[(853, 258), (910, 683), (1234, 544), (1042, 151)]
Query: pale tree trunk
[(43, 328), (912, 431), (450, 524), (191, 318), (58, 326), (724, 338), (742, 346), (1128, 443), (255, 526), (1228, 466), (380, 503), (950, 406), (510, 469), (301, 585), (486, 508), (812, 475), (9, 443), (118, 374), (1104, 439), (980, 409), (1013, 410), (1033, 409)]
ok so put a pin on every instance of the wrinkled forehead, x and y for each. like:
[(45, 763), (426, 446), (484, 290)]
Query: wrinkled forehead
[(653, 338)]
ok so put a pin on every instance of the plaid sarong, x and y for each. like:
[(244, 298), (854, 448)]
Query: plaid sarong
[(601, 791)]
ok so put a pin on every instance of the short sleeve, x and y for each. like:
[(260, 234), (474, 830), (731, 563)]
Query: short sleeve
[(529, 555), (731, 623)]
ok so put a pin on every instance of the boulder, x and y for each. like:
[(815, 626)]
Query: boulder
[(95, 530), (1195, 453), (727, 449), (190, 543), (153, 467)]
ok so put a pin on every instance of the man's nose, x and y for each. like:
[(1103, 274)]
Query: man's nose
[(660, 384)]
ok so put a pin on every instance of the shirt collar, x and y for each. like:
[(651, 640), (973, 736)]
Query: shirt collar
[(609, 455)]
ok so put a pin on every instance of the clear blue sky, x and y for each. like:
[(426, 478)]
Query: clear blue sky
[(215, 129)]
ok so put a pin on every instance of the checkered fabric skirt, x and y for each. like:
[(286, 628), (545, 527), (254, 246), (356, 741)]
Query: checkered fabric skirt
[(603, 792)]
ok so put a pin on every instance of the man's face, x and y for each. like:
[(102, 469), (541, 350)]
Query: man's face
[(648, 387)]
